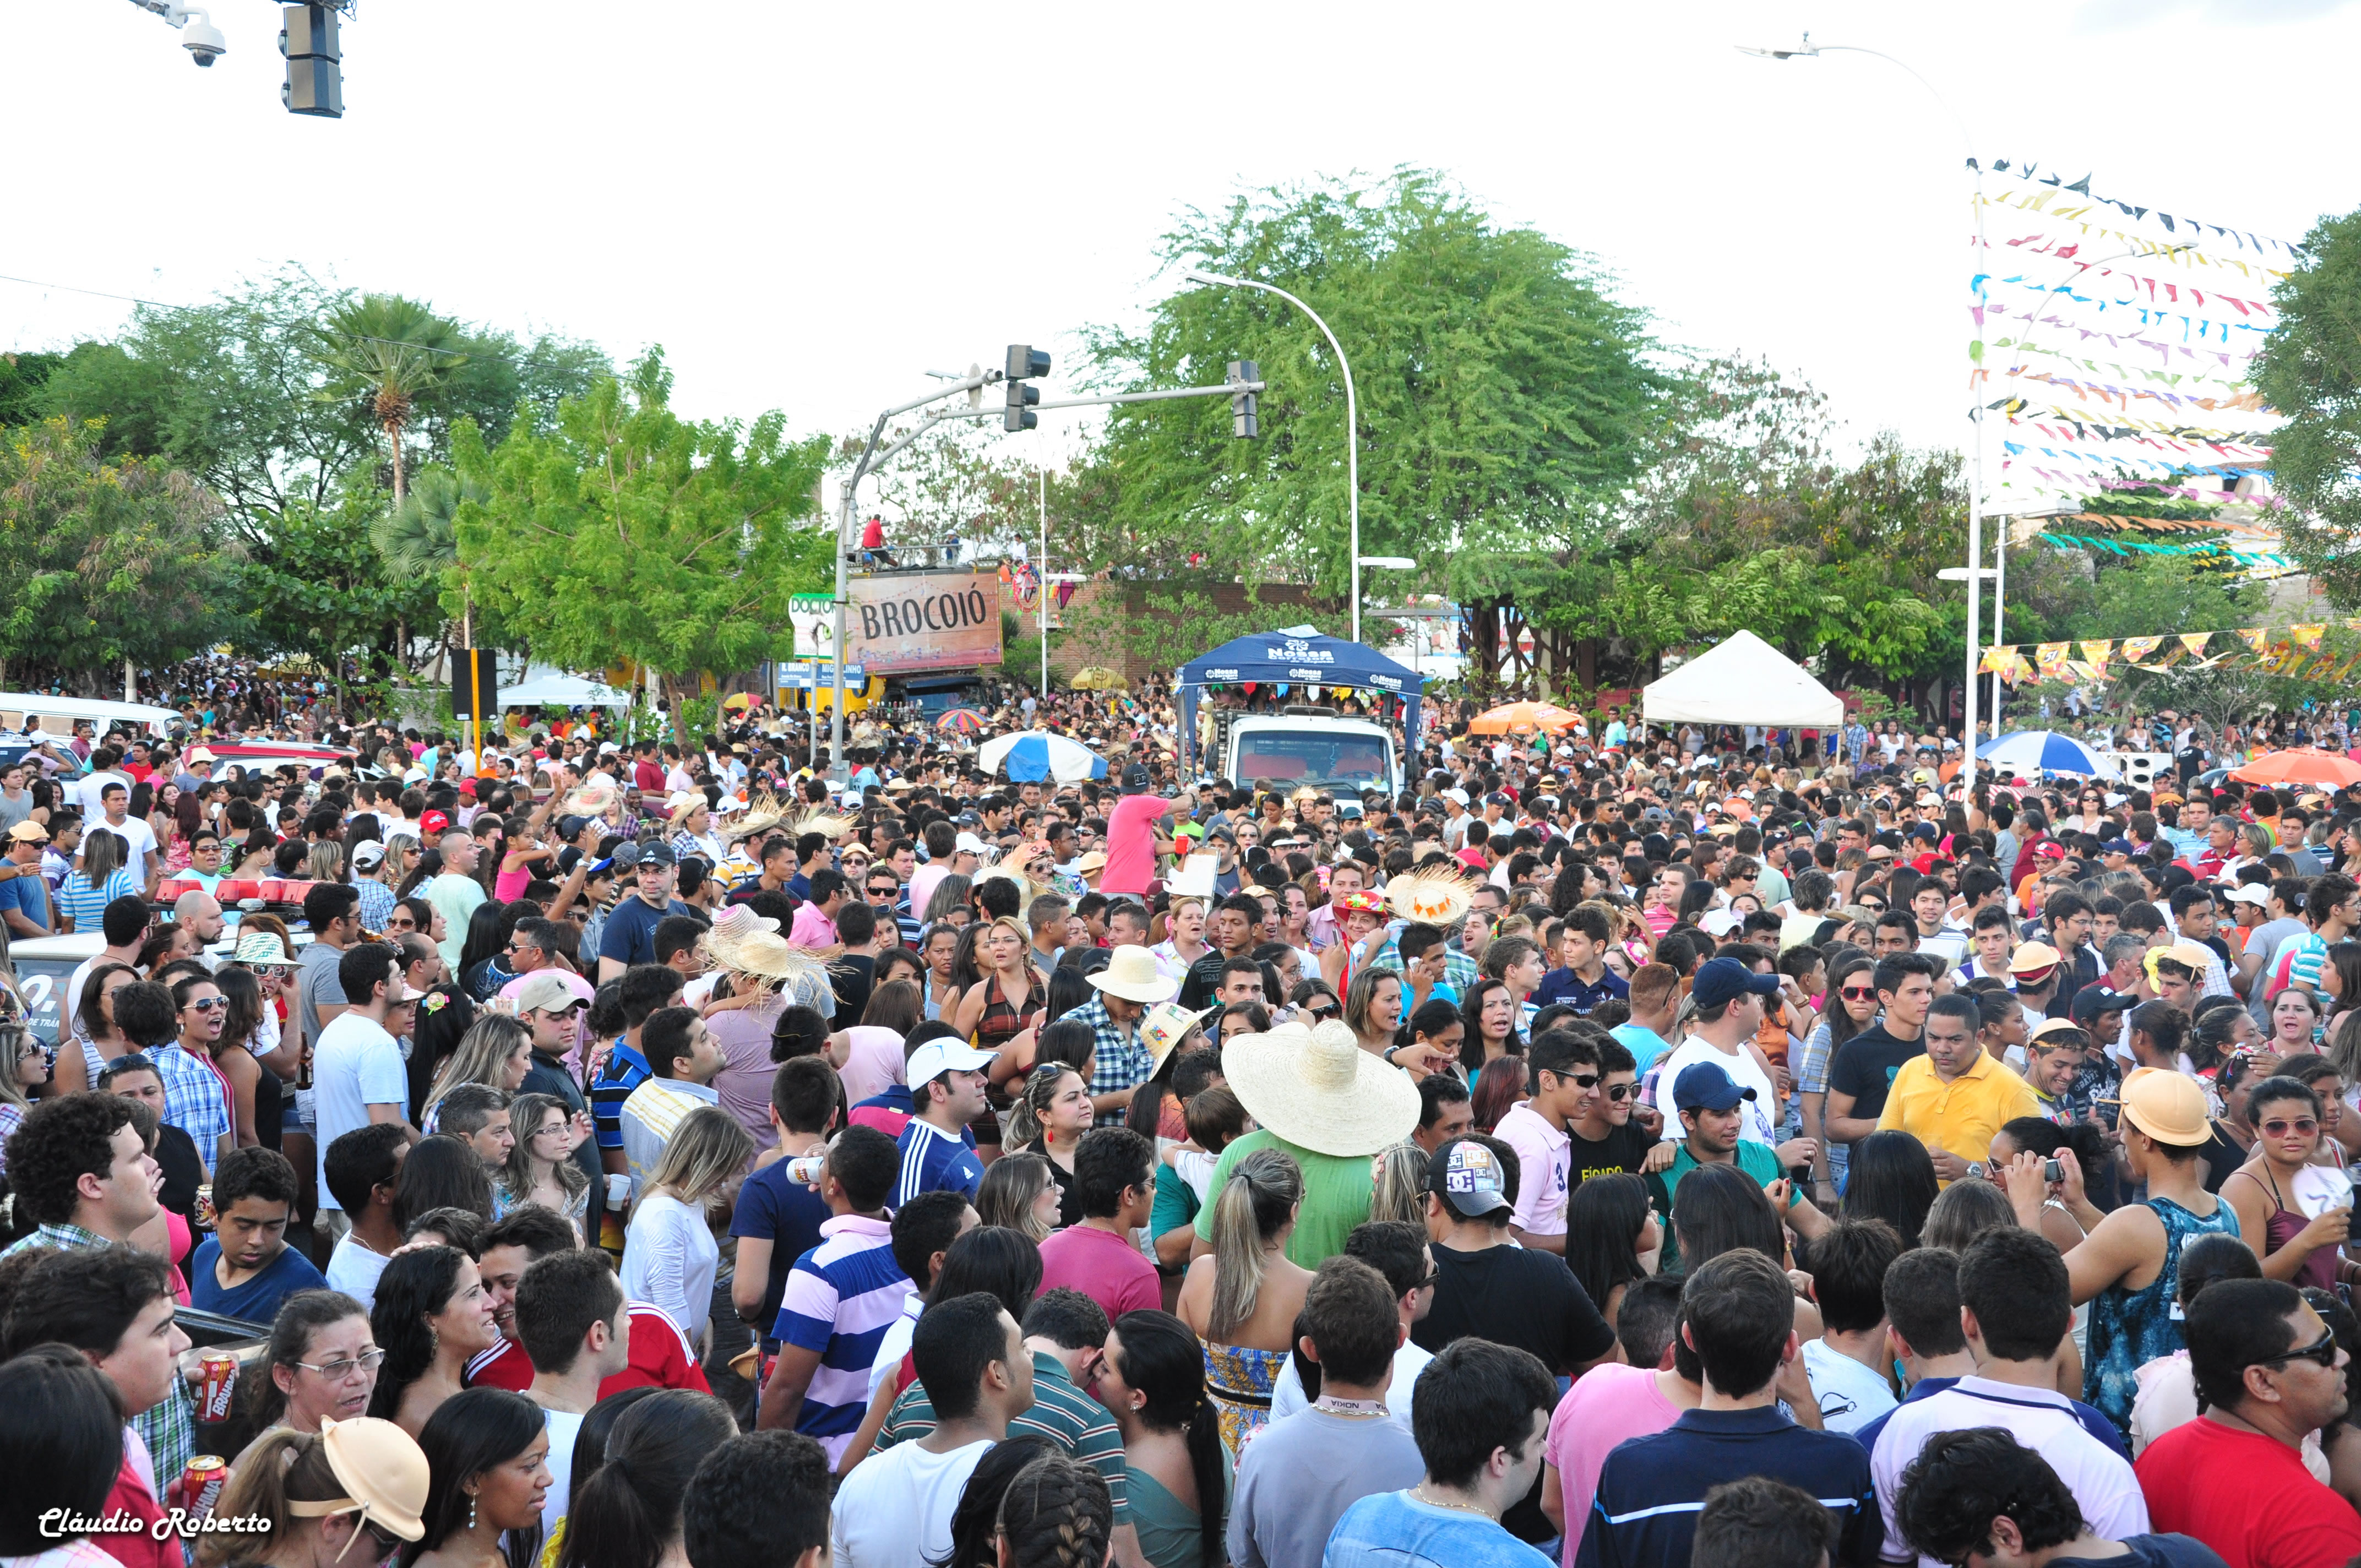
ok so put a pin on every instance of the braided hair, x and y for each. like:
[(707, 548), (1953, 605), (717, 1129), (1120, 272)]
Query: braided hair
[(1057, 1513)]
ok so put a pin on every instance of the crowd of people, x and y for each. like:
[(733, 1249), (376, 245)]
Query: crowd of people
[(1619, 1152)]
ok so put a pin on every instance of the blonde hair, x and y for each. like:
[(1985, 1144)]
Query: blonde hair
[(1015, 927), (1255, 1204), (1012, 1184), (284, 1465), (482, 1056), (1401, 1190), (706, 1149)]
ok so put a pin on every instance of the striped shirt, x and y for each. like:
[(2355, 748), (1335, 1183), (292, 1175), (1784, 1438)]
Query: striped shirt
[(840, 1298), (625, 1071), (936, 1161), (650, 1114)]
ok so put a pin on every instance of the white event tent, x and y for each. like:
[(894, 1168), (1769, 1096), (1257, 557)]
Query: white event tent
[(1743, 680)]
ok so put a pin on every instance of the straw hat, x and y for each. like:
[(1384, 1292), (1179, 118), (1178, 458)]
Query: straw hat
[(593, 798), (682, 804), (769, 956), (262, 950), (1131, 973), (1165, 1026), (384, 1473), (732, 925), (1319, 1090)]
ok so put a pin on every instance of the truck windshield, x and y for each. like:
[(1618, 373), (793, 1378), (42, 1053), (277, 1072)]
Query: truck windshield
[(1315, 760)]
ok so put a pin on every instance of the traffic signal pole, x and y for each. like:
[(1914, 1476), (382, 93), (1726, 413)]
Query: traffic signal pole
[(1022, 403)]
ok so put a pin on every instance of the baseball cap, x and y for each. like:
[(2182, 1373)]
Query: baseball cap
[(1726, 980), (2248, 892), (1134, 779), (1468, 1176), (655, 852), (936, 1058), (2092, 1001), (545, 991), (433, 822), (571, 826), (1702, 1086), (367, 853), (2051, 851), (2117, 847), (1497, 798)]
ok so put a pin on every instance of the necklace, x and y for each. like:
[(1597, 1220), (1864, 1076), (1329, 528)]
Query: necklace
[(1420, 1492)]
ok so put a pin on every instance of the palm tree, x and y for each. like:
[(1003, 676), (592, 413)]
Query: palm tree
[(418, 535), (389, 351)]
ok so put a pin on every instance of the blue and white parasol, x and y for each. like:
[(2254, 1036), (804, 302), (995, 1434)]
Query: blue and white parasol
[(2034, 752), (1034, 756)]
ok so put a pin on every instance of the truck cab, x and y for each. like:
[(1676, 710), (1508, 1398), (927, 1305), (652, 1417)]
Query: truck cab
[(1306, 747)]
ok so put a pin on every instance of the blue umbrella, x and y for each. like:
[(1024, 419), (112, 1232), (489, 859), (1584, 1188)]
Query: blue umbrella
[(2031, 752), (1033, 757)]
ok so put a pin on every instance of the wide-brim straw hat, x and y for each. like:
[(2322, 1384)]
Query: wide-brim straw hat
[(1131, 973), (1319, 1090), (593, 798), (766, 956)]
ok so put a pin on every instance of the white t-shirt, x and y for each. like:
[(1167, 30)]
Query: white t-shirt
[(565, 1426), (897, 1343), (354, 1269), (1286, 1394), (1851, 1395), (134, 832), (1762, 1119), (355, 1064), (86, 792), (895, 1507)]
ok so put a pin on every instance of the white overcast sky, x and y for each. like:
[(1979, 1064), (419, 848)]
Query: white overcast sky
[(809, 206)]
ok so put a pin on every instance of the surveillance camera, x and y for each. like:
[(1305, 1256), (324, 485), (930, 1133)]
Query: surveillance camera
[(200, 36)]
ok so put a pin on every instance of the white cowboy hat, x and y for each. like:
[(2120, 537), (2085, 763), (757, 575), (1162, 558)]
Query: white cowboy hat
[(1319, 1090), (735, 924), (1131, 973)]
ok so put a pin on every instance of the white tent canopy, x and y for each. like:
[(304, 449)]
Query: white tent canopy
[(1743, 680), (563, 691)]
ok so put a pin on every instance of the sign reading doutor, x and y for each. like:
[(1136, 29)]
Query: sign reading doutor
[(931, 621)]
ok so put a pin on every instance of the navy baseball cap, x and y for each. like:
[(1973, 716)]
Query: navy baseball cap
[(1704, 1087), (1726, 980)]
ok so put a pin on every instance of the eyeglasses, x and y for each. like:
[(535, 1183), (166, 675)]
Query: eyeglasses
[(2323, 1351), (210, 1003), (337, 1371), (2304, 1126)]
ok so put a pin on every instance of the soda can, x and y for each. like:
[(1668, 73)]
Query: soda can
[(221, 1380), (201, 1485), (205, 1217), (805, 1171)]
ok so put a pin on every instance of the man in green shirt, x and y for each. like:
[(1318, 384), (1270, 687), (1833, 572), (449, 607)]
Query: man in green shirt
[(1707, 1102)]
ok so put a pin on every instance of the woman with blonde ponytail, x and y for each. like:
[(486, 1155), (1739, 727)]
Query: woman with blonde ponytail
[(1179, 1475), (1242, 1302)]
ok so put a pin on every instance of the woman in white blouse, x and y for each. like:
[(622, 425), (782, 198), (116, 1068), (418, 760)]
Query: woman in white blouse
[(669, 1254)]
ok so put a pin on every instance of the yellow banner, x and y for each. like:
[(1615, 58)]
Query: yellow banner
[(2195, 643), (2307, 636), (2138, 649), (2096, 652), (2051, 658), (2257, 638)]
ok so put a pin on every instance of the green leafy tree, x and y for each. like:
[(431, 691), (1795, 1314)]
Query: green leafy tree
[(102, 560), (387, 353), (625, 532), (325, 592), (1498, 388), (2310, 370)]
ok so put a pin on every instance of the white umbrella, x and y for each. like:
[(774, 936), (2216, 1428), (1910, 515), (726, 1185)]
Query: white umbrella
[(2031, 752)]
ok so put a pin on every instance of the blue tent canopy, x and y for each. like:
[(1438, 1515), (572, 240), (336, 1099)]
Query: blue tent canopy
[(1298, 656)]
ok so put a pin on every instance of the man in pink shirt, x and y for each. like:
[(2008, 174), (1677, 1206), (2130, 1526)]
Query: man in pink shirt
[(815, 924), (1114, 1182), (1565, 1082), (1610, 1404), (1132, 839)]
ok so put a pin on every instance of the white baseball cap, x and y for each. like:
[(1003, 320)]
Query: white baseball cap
[(936, 1058)]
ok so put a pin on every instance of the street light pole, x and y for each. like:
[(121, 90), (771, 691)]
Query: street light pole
[(1975, 409), (1352, 420)]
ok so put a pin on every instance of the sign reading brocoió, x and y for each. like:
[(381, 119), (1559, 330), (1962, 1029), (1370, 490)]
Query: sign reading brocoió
[(898, 622)]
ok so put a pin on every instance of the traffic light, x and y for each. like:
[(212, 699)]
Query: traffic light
[(315, 78), (1025, 362), (1243, 424)]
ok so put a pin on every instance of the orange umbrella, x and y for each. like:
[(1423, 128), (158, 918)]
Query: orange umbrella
[(1518, 716), (2302, 765)]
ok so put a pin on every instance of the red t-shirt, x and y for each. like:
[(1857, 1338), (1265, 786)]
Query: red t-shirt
[(647, 778), (136, 1549), (1131, 844), (1101, 1266), (2248, 1497), (660, 1359)]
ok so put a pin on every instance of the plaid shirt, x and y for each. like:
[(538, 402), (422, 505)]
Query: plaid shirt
[(1121, 1059), (377, 903), (195, 1099), (169, 1427)]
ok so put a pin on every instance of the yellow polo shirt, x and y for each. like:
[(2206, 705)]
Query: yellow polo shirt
[(1961, 1115)]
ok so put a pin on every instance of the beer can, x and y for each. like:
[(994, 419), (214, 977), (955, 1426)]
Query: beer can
[(206, 1218), (201, 1485), (806, 1170), (221, 1380)]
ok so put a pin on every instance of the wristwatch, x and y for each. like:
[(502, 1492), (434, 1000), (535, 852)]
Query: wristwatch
[(1978, 1169)]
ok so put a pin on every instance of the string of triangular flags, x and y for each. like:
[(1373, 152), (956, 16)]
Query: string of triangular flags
[(2298, 653)]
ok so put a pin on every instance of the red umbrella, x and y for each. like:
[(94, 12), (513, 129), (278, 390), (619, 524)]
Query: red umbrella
[(2302, 765)]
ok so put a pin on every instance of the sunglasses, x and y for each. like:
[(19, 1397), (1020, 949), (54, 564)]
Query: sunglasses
[(1328, 1010), (2323, 1351), (2277, 1127), (211, 1004)]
